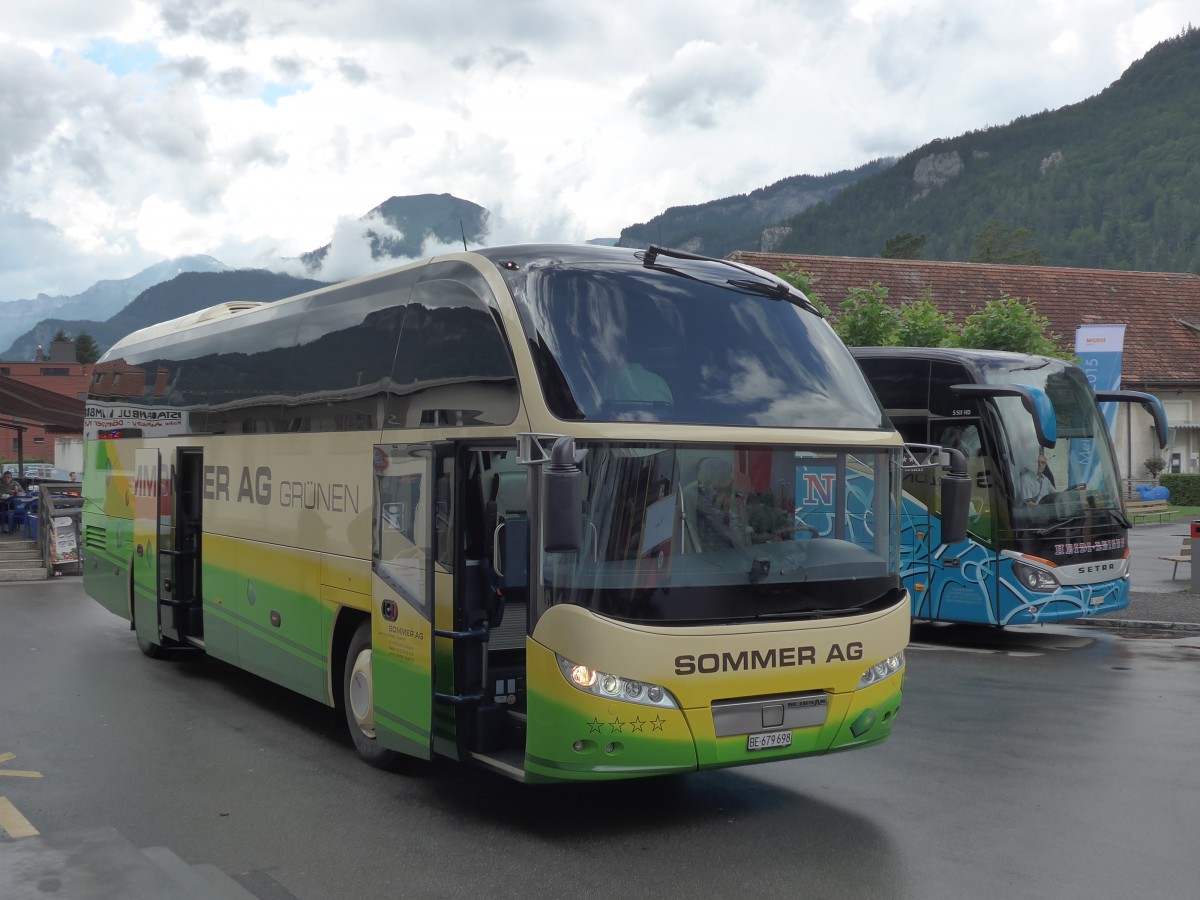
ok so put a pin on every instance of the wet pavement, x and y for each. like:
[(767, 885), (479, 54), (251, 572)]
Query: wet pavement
[(1154, 595), (91, 849)]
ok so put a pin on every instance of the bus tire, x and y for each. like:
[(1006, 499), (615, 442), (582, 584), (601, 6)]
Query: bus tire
[(151, 649), (358, 701)]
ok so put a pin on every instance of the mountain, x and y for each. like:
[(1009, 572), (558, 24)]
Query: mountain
[(114, 309), (416, 218), (79, 312), (719, 227), (1112, 182)]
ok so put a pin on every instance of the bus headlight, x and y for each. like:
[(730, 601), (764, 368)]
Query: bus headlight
[(881, 670), (615, 687), (1035, 579)]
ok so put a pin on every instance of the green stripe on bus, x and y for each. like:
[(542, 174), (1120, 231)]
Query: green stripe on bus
[(257, 630), (402, 726)]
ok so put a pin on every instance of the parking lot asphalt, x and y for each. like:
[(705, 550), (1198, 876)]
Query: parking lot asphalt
[(1160, 591)]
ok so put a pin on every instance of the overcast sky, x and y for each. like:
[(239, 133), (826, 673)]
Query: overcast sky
[(133, 131)]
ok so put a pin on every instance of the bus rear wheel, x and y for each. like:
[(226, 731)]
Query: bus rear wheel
[(358, 701)]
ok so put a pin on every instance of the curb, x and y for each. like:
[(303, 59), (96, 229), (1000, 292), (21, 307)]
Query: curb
[(1138, 623)]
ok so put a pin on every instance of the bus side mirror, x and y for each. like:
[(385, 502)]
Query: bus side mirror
[(562, 525), (955, 488), (1035, 400), (1152, 404)]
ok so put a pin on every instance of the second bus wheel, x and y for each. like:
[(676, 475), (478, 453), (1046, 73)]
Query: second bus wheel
[(359, 703)]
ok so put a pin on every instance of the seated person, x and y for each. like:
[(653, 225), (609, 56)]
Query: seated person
[(10, 489), (1035, 486)]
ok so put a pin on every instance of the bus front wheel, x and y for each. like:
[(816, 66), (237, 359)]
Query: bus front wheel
[(151, 649), (358, 701)]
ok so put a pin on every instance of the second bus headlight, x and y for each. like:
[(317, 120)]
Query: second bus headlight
[(615, 687), (1035, 579)]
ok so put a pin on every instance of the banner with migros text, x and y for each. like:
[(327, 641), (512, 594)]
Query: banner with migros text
[(1099, 348)]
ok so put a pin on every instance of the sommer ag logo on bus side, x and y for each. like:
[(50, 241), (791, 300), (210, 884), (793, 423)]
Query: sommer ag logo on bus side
[(261, 488)]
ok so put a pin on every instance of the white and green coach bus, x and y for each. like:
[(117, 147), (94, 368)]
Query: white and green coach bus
[(540, 508)]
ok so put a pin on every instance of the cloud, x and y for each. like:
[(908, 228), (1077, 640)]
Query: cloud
[(250, 130), (493, 58), (701, 82), (29, 250), (352, 70), (215, 20)]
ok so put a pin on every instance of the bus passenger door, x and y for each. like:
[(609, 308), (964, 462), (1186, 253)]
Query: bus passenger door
[(402, 611), (147, 505)]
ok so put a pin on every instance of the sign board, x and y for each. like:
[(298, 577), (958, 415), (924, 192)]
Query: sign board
[(64, 547)]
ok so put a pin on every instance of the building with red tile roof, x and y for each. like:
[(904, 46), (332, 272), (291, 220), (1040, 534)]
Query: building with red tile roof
[(41, 406), (1161, 312)]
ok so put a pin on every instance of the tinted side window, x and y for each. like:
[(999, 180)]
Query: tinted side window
[(341, 369), (236, 369), (943, 401), (900, 384), (453, 364)]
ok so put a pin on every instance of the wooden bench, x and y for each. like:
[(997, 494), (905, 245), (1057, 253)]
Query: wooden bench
[(1185, 556), (1145, 510)]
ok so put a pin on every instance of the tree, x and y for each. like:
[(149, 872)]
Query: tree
[(922, 324), (864, 318), (997, 243), (86, 348), (1011, 324), (1154, 466), (903, 246), (61, 335)]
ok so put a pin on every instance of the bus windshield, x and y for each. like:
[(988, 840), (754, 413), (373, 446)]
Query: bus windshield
[(614, 341), (1075, 476), (681, 534)]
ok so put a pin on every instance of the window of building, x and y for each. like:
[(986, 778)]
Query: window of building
[(55, 371)]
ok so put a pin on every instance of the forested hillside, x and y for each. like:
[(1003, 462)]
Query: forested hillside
[(719, 227), (1112, 182)]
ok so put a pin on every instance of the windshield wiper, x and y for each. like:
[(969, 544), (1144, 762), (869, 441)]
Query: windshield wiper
[(775, 290), (1050, 529), (1115, 513)]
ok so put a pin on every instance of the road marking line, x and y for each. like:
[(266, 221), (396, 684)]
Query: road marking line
[(16, 773), (15, 824)]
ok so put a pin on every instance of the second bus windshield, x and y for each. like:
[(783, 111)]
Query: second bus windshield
[(1078, 473)]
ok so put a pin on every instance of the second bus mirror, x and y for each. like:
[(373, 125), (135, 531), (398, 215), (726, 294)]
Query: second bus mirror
[(956, 498), (562, 524)]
